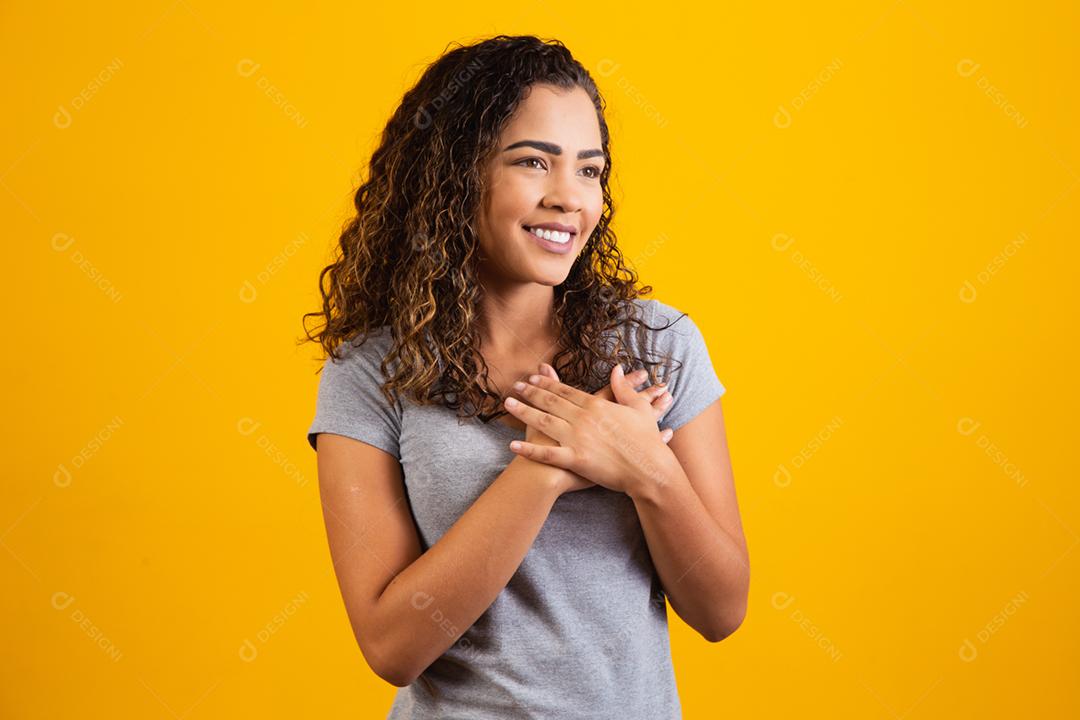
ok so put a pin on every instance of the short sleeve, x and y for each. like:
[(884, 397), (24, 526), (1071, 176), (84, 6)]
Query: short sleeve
[(350, 401), (693, 383)]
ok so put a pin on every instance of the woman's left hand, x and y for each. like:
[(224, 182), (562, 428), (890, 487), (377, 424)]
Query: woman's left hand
[(613, 444)]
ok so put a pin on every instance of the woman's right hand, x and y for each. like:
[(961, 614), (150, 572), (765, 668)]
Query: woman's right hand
[(657, 394)]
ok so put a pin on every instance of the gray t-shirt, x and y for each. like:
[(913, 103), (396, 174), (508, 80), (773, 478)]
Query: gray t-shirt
[(580, 631)]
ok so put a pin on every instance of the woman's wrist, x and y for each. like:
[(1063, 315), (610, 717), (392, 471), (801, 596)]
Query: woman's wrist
[(556, 479)]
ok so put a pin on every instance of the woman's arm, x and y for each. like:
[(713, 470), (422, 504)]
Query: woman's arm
[(408, 608), (690, 518)]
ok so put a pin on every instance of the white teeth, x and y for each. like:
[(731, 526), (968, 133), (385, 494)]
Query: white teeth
[(553, 235)]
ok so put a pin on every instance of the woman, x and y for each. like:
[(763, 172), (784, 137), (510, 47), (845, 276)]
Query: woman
[(504, 513)]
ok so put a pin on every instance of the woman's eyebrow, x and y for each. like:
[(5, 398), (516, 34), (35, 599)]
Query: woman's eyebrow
[(553, 149)]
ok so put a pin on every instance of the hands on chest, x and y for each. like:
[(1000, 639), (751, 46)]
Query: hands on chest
[(608, 438)]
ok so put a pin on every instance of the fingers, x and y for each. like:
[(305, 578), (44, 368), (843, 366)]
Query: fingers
[(657, 395), (636, 378), (547, 399), (661, 400), (623, 389), (552, 426), (653, 392), (551, 383), (566, 392), (554, 455)]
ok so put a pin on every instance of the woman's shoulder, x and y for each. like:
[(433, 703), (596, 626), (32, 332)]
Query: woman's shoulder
[(670, 331), (661, 316), (365, 348)]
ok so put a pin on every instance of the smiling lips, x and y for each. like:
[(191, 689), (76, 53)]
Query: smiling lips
[(554, 235), (554, 241)]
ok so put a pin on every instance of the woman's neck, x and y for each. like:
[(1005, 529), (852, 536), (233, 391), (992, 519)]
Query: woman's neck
[(518, 318)]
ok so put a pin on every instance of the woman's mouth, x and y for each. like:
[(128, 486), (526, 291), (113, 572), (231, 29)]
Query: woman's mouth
[(551, 240)]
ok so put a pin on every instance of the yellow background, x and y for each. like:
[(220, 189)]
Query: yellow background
[(869, 208)]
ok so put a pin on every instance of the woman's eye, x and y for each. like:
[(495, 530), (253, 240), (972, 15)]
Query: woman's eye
[(591, 171)]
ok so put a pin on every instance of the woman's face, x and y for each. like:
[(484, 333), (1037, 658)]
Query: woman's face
[(545, 171)]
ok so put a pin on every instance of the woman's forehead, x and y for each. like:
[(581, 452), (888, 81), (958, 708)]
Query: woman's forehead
[(566, 118)]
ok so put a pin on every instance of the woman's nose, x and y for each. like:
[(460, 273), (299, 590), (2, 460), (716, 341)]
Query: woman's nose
[(563, 192)]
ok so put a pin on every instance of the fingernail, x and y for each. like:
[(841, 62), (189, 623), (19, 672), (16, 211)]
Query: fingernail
[(519, 386), (534, 379), (511, 402), (515, 445)]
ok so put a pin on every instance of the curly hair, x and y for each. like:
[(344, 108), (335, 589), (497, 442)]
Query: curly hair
[(407, 259)]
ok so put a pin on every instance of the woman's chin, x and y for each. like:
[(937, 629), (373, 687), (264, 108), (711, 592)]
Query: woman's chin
[(550, 277)]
